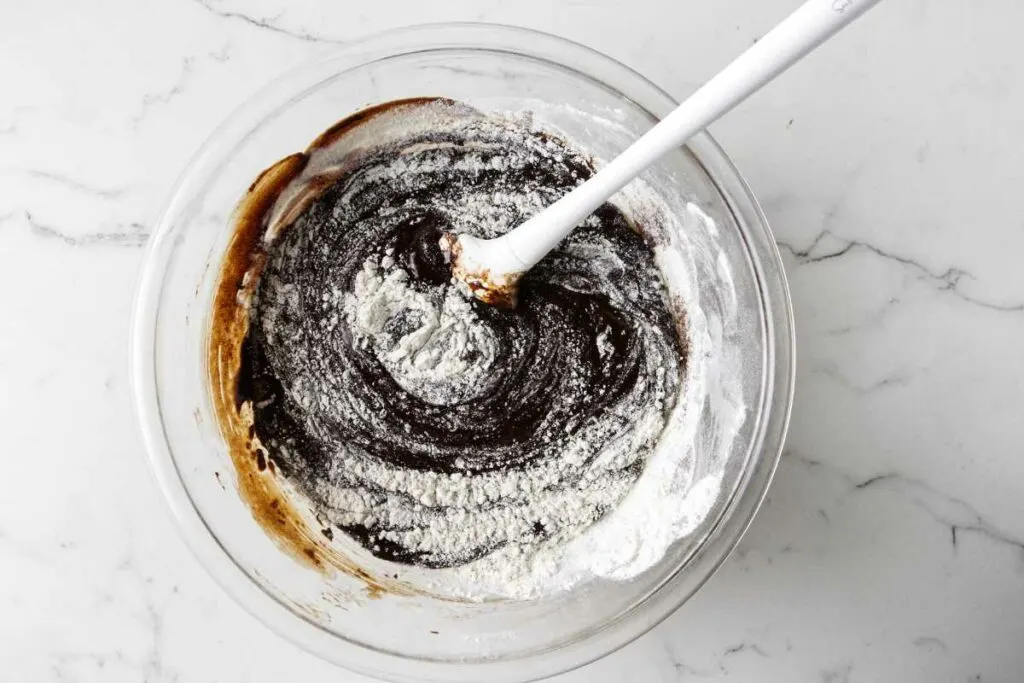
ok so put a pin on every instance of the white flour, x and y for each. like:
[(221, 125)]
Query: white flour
[(447, 351), (442, 357)]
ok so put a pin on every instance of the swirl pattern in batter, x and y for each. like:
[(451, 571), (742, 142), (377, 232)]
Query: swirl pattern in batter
[(428, 427)]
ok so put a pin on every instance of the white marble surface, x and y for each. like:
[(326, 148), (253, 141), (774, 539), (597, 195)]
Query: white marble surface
[(892, 545)]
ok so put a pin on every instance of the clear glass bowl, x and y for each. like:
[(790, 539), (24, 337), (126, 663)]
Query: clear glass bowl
[(417, 638)]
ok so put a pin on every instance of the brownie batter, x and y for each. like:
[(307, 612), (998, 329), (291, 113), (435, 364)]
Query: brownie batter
[(428, 427)]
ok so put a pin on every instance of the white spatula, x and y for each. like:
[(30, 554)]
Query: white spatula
[(492, 268)]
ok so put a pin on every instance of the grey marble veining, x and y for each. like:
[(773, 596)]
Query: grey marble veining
[(891, 546)]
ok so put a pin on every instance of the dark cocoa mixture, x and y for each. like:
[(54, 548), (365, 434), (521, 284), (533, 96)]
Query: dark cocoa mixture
[(590, 349)]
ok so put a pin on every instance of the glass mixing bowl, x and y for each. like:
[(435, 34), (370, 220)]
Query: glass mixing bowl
[(416, 638)]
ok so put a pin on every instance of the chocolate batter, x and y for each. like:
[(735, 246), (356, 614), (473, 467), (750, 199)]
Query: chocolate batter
[(402, 453)]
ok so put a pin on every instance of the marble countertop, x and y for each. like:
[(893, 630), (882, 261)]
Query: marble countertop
[(891, 547)]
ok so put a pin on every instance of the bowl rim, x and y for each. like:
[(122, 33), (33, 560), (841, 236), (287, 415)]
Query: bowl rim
[(763, 455)]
